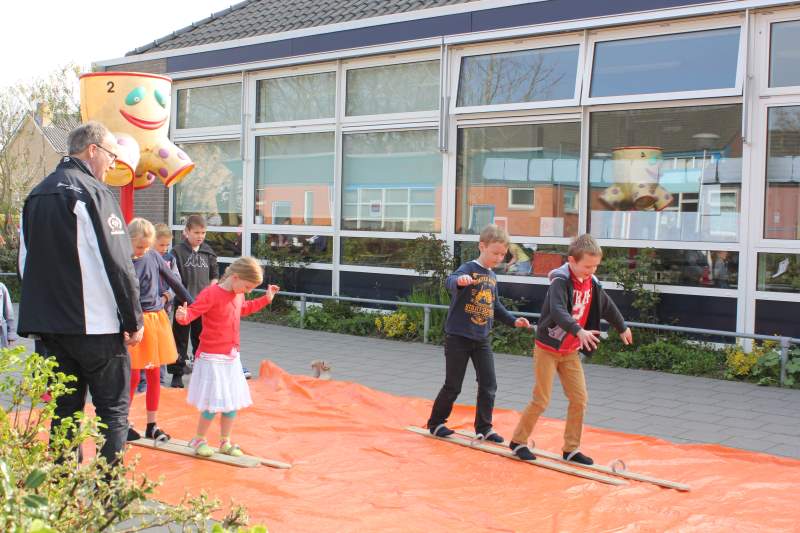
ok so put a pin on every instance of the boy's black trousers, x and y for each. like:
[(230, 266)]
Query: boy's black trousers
[(458, 351)]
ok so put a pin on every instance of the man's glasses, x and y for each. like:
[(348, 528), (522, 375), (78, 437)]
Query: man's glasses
[(111, 154)]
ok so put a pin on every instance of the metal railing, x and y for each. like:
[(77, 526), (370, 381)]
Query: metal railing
[(783, 341)]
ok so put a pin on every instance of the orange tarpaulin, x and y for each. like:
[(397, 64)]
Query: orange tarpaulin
[(357, 469)]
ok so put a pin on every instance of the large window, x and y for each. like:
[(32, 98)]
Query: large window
[(215, 187), (392, 181), (401, 88), (518, 77), (284, 248), (782, 214), (304, 97), (693, 61), (666, 174), (779, 272), (393, 253), (784, 54), (522, 259), (522, 177), (695, 268), (294, 179), (210, 106)]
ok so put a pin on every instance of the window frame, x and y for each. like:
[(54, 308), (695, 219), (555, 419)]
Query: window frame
[(534, 117), (519, 45), (178, 134), (268, 227), (384, 61), (290, 72), (764, 43), (657, 30)]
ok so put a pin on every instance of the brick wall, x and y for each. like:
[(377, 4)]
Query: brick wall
[(151, 203)]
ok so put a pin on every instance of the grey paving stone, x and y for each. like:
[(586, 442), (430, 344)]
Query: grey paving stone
[(748, 443)]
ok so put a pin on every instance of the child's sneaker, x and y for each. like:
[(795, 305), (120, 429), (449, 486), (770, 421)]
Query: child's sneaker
[(133, 434), (201, 447), (230, 449), (247, 373), (494, 437), (522, 451), (441, 431), (177, 381), (578, 457), (154, 432)]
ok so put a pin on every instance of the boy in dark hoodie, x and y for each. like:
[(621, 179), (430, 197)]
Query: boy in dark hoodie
[(473, 306), (197, 265), (570, 322)]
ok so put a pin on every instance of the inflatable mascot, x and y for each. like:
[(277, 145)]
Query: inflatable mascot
[(135, 107), (636, 175)]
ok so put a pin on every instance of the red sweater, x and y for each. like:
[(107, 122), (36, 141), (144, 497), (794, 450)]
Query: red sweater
[(221, 310), (582, 301)]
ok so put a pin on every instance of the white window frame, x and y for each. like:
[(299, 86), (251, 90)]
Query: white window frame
[(521, 207), (531, 117), (764, 43), (269, 227), (661, 29), (356, 129), (178, 134), (532, 44), (290, 72), (383, 61)]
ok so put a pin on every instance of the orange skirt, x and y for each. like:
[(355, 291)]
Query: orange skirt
[(158, 345)]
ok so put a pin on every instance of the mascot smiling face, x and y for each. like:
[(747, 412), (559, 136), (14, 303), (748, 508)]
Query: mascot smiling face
[(136, 108)]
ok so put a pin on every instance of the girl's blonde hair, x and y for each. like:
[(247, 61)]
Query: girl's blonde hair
[(245, 268), (162, 230), (140, 228)]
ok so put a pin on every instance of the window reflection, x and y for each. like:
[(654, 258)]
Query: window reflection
[(666, 174)]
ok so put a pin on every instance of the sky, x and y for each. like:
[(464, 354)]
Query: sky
[(38, 36)]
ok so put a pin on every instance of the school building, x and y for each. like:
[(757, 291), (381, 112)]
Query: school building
[(342, 129)]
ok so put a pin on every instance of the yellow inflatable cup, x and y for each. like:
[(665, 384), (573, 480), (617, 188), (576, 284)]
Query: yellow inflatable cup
[(136, 108)]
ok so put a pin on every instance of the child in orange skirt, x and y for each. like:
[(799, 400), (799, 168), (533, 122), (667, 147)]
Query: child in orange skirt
[(158, 346)]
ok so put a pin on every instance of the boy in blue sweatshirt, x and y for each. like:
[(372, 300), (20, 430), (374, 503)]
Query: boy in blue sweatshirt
[(473, 305)]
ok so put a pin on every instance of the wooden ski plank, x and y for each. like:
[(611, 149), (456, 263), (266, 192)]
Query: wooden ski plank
[(597, 468), (508, 454), (182, 447)]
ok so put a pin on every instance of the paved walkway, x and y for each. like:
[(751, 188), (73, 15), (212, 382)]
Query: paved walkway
[(677, 408)]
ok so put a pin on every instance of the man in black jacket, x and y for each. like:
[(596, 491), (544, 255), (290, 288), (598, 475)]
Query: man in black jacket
[(80, 294)]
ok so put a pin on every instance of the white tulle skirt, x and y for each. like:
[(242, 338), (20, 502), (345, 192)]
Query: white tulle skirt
[(218, 384)]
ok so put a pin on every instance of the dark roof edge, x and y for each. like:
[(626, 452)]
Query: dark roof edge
[(185, 29)]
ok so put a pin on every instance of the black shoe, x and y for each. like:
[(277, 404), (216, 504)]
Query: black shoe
[(154, 432), (578, 457), (177, 382), (494, 437), (522, 451), (441, 431), (133, 434)]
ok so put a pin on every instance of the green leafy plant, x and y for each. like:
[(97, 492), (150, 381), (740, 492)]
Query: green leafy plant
[(430, 256), (42, 486), (636, 276)]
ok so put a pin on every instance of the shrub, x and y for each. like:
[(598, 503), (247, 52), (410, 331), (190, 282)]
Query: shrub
[(42, 486), (396, 326)]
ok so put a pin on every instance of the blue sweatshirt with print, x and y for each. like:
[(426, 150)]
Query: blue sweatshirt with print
[(473, 308)]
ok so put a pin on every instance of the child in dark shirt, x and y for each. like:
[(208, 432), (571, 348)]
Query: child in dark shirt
[(197, 265), (473, 306)]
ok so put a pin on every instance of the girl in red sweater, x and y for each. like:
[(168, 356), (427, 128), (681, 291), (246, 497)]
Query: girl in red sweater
[(218, 384)]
